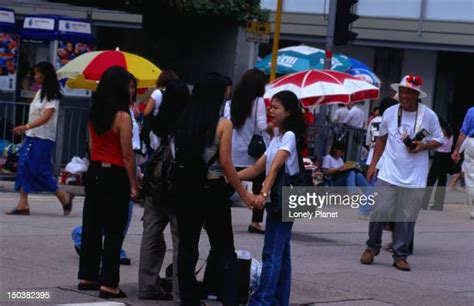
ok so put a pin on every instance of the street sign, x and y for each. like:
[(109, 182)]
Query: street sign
[(258, 31)]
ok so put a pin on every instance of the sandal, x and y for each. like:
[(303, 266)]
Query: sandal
[(67, 208), (19, 212)]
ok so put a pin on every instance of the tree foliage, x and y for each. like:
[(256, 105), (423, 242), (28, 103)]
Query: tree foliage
[(239, 10)]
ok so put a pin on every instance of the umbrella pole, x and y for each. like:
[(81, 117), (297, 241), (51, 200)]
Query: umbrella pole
[(276, 39)]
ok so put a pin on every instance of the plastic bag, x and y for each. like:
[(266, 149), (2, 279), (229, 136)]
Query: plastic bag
[(77, 165), (255, 272)]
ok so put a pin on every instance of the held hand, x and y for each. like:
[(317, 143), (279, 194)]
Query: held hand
[(20, 129), (260, 203), (456, 157), (249, 200), (419, 146)]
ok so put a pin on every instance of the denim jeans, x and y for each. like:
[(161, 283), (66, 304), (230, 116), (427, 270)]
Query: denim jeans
[(353, 179), (275, 280)]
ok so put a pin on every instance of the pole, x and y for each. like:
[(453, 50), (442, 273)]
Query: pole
[(330, 33), (323, 110), (252, 54), (276, 39)]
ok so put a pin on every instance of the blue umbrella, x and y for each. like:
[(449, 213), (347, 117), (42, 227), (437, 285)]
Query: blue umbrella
[(363, 72), (301, 58)]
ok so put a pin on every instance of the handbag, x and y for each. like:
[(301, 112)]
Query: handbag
[(256, 146), (283, 179)]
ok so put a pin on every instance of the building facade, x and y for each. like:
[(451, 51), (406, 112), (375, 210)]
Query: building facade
[(431, 38)]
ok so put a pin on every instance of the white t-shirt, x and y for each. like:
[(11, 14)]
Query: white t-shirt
[(285, 142), (37, 109), (157, 97), (330, 162), (372, 134), (400, 167), (447, 145), (356, 117), (241, 137), (135, 131), (341, 115)]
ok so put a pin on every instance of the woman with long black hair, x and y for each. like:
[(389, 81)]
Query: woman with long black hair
[(35, 171), (157, 215), (283, 151), (203, 155), (249, 117), (110, 182)]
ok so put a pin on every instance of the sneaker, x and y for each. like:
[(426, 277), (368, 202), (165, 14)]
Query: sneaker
[(367, 257), (401, 264), (363, 217)]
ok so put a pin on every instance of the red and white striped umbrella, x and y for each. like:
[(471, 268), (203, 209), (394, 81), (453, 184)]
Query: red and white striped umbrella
[(323, 87)]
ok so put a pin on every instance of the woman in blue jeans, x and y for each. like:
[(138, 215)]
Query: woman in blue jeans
[(283, 151), (342, 175)]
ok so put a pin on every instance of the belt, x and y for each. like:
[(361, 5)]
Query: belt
[(105, 164)]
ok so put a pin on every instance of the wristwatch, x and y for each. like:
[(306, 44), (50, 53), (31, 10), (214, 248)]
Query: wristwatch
[(264, 194)]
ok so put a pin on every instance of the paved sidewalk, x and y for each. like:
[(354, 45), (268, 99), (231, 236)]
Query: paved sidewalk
[(37, 255)]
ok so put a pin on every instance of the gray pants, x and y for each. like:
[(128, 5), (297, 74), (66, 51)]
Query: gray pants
[(153, 249), (399, 205)]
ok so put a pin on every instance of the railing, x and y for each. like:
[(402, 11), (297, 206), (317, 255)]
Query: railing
[(71, 131), (321, 137)]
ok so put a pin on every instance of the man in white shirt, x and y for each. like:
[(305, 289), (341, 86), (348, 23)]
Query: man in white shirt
[(341, 114), (356, 117), (403, 173)]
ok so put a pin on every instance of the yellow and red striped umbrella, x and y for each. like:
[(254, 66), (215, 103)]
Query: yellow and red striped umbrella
[(86, 70)]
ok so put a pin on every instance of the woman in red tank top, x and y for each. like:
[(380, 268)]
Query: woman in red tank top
[(110, 182)]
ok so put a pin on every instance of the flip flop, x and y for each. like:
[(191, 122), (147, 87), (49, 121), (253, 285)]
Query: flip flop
[(19, 212), (67, 208)]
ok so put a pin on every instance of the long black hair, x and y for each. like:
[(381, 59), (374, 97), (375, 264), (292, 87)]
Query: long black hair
[(295, 121), (112, 95), (445, 126), (50, 88), (175, 100), (198, 123), (250, 86)]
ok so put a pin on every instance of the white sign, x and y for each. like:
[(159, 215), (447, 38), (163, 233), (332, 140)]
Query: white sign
[(38, 23), (7, 16), (257, 37), (74, 26)]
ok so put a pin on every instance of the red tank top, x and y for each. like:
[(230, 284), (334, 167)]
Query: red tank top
[(106, 147)]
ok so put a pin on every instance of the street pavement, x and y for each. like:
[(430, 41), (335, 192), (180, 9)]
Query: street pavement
[(37, 255)]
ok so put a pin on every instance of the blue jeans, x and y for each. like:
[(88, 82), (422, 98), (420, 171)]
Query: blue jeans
[(275, 280), (353, 179)]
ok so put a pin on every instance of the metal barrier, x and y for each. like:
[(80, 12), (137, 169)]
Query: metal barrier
[(321, 137), (71, 130)]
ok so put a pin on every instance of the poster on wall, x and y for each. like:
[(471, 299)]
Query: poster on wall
[(68, 50), (8, 60)]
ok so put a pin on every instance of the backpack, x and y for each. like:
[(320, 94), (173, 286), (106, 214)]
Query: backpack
[(158, 177)]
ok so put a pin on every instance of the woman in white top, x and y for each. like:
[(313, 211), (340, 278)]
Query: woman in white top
[(440, 167), (283, 151), (35, 171), (248, 115)]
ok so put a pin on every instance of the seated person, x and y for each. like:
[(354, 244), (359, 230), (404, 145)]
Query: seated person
[(345, 174)]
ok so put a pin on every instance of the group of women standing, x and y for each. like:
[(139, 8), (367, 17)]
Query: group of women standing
[(195, 126)]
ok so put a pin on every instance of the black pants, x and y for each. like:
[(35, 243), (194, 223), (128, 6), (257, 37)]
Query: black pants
[(257, 214), (194, 208), (105, 213), (440, 167)]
